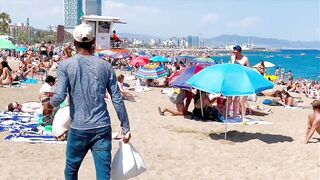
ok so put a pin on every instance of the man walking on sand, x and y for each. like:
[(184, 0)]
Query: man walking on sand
[(85, 78), (313, 120)]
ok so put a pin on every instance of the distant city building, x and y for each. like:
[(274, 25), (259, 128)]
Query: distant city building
[(17, 30), (193, 41), (73, 12), (183, 43), (93, 7)]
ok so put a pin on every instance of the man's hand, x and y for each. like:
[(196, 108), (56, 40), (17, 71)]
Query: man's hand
[(47, 109), (126, 138)]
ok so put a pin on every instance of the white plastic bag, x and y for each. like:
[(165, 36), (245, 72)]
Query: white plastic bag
[(252, 98), (61, 121), (127, 163)]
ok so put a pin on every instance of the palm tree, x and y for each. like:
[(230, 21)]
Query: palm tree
[(4, 23)]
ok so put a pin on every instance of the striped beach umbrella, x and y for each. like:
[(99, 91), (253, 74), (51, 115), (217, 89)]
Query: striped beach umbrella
[(105, 53), (152, 71), (120, 55)]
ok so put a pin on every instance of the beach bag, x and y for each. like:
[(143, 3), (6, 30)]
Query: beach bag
[(176, 96), (61, 121), (127, 163)]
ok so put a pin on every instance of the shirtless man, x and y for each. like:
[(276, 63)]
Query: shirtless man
[(313, 120), (239, 58)]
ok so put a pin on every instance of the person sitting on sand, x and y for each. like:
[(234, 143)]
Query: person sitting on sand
[(203, 105), (6, 74), (313, 121), (125, 94), (47, 90)]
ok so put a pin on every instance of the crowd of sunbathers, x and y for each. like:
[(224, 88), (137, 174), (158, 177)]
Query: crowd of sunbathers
[(36, 62), (310, 89)]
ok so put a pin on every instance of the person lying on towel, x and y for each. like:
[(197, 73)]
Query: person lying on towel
[(29, 107)]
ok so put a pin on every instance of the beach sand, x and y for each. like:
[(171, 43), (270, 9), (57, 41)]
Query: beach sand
[(179, 148)]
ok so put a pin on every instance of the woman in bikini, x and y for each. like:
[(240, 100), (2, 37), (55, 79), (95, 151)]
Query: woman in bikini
[(6, 75)]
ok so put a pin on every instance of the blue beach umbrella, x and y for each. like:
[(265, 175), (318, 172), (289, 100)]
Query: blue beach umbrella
[(22, 49), (152, 71), (230, 80), (160, 59), (141, 53)]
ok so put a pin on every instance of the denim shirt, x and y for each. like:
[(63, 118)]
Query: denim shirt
[(86, 79)]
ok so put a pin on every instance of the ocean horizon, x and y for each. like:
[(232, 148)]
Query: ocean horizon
[(304, 63)]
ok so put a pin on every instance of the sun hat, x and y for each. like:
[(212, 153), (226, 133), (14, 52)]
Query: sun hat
[(83, 33)]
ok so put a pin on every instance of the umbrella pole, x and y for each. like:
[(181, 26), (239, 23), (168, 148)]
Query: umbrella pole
[(201, 104), (226, 122)]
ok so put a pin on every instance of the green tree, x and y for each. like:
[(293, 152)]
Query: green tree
[(23, 36), (4, 23)]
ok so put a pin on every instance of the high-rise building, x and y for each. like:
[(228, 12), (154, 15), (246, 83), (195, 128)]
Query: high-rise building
[(72, 13), (93, 7), (193, 41)]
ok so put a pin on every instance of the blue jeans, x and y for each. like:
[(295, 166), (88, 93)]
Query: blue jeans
[(79, 142)]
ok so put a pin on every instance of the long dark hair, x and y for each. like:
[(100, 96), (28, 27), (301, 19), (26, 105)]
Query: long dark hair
[(5, 65)]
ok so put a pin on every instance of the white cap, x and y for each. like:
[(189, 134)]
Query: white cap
[(83, 33)]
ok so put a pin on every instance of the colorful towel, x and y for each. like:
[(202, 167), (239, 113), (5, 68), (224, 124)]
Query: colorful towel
[(248, 121), (34, 139), (30, 81)]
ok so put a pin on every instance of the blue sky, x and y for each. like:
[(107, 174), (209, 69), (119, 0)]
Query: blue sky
[(282, 19)]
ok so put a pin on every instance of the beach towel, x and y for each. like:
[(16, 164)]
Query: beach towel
[(34, 139), (249, 121), (17, 86), (18, 122), (30, 81), (293, 107)]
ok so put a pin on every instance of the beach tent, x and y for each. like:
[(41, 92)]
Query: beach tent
[(229, 80), (6, 44)]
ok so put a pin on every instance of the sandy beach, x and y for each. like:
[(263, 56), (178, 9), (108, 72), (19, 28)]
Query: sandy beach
[(179, 148)]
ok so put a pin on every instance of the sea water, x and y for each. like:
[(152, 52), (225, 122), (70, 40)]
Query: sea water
[(303, 63)]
